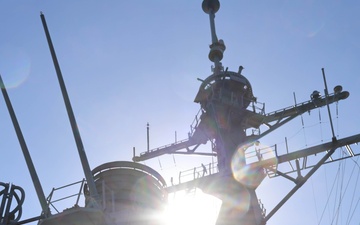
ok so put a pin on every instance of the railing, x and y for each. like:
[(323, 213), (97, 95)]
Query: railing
[(195, 123), (259, 154), (197, 172), (77, 194), (307, 158), (256, 155), (164, 146)]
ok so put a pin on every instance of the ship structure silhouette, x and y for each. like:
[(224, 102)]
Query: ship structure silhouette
[(229, 119)]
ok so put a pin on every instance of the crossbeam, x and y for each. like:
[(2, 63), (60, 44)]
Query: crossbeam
[(272, 120), (268, 163)]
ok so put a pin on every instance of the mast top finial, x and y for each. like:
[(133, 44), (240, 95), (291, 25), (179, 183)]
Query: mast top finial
[(210, 6)]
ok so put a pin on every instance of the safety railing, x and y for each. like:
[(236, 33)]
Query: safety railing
[(197, 172), (75, 190)]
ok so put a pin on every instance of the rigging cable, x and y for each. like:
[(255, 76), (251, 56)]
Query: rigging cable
[(347, 185), (159, 163), (321, 133), (327, 201), (302, 121), (336, 191), (341, 193), (174, 159), (341, 154), (327, 190), (354, 210), (353, 195), (312, 187)]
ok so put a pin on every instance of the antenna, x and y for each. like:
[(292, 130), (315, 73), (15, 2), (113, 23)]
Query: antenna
[(30, 165), (327, 105), (85, 164), (148, 136), (217, 47)]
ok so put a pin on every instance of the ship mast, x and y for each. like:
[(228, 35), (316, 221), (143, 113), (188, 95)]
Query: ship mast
[(217, 47)]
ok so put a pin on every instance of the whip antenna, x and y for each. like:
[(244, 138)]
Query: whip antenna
[(75, 130), (29, 162)]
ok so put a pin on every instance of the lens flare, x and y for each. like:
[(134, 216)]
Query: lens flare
[(250, 174), (238, 202), (14, 65)]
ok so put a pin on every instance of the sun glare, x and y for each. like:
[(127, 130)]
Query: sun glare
[(195, 208)]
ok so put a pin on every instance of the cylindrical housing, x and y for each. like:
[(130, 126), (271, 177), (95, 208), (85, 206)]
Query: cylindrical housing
[(130, 193)]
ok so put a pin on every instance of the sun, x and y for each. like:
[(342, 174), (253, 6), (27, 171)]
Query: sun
[(191, 208)]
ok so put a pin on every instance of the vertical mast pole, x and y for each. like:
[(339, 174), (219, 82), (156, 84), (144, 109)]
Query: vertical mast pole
[(327, 104), (217, 47), (148, 136), (29, 163), (75, 130), (214, 39)]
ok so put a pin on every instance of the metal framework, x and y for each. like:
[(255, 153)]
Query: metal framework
[(228, 110)]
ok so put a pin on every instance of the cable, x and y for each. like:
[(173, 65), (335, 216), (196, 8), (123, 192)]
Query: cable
[(341, 194), (354, 210), (160, 163), (353, 195), (321, 133), (303, 127), (347, 185), (327, 201), (337, 189), (312, 187)]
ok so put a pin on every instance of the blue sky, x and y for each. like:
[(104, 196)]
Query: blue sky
[(126, 63)]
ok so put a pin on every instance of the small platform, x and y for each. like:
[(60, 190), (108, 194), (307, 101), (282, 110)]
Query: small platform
[(76, 216)]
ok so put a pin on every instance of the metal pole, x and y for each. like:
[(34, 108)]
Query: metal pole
[(148, 136), (133, 152), (79, 144), (327, 104), (214, 41), (214, 38), (29, 163)]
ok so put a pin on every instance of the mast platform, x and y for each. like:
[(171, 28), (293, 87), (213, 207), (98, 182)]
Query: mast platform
[(76, 216)]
